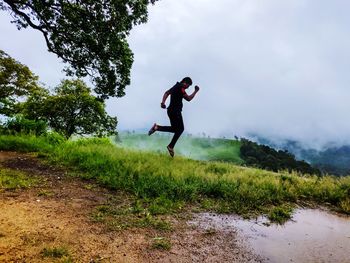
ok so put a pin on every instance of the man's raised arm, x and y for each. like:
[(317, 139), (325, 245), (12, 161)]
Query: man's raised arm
[(190, 97)]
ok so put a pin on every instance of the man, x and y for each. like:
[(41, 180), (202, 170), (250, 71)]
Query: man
[(177, 93)]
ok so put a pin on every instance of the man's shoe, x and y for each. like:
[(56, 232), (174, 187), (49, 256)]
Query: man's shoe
[(171, 151), (153, 129)]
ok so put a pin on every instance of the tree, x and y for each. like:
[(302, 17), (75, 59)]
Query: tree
[(72, 109), (16, 82), (89, 35), (265, 157)]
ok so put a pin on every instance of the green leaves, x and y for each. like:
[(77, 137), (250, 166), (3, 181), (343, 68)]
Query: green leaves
[(16, 81), (88, 35), (72, 109)]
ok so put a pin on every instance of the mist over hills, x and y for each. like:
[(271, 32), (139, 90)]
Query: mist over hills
[(238, 151), (330, 159)]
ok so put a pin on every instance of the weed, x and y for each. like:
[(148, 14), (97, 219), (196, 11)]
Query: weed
[(161, 243), (56, 252), (345, 205), (45, 193), (156, 223), (280, 214), (89, 186)]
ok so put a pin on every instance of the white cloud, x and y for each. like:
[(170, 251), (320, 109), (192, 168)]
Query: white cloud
[(276, 68)]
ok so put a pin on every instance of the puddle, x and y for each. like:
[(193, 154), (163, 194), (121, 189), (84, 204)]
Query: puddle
[(312, 236)]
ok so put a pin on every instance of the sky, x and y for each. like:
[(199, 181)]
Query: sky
[(277, 69)]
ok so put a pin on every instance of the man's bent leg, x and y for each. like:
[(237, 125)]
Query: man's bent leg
[(165, 128)]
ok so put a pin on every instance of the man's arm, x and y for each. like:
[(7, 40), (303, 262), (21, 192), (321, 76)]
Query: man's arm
[(165, 96), (190, 97)]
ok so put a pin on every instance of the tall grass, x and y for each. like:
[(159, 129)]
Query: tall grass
[(227, 187), (208, 149), (30, 143), (151, 175)]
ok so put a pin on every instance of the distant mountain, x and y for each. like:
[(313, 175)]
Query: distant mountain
[(268, 158), (331, 160)]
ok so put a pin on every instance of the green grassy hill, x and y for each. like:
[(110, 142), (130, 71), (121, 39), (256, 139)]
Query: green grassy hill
[(240, 152), (167, 184), (197, 148)]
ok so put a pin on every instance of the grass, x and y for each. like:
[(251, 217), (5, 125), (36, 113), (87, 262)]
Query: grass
[(30, 143), (163, 185), (209, 149), (12, 179), (280, 214), (55, 252), (127, 212), (45, 193), (161, 243)]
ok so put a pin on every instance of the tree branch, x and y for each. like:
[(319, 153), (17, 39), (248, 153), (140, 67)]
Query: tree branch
[(14, 8)]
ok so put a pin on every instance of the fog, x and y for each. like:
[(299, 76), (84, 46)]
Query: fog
[(276, 69)]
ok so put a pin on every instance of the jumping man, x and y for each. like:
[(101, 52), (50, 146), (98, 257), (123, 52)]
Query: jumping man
[(177, 93)]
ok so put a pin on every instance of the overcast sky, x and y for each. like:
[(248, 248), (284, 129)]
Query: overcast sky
[(275, 68)]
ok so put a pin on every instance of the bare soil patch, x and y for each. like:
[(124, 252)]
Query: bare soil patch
[(57, 214)]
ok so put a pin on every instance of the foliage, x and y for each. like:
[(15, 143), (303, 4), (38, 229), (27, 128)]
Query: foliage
[(19, 124), (30, 143), (265, 157), (89, 35), (280, 214), (16, 81), (72, 109), (331, 159), (335, 160), (54, 138), (345, 205)]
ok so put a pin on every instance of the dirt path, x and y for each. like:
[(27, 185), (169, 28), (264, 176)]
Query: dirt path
[(57, 214)]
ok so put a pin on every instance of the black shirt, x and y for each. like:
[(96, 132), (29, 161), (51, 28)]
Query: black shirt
[(176, 95)]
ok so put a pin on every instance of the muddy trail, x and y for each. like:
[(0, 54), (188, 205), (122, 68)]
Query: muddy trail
[(57, 220)]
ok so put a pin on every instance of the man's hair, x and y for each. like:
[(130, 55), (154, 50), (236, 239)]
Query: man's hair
[(187, 80)]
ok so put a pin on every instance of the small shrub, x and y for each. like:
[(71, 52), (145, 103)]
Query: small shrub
[(54, 138), (19, 124), (280, 214), (345, 205), (161, 243)]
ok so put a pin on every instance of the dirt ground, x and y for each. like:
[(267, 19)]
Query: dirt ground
[(57, 214)]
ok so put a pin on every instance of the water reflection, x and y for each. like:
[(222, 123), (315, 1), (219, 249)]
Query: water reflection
[(312, 236)]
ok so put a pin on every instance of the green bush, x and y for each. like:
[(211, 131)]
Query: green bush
[(19, 124), (54, 138), (280, 214), (30, 143)]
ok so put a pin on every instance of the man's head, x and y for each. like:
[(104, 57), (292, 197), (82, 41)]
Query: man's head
[(187, 81)]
